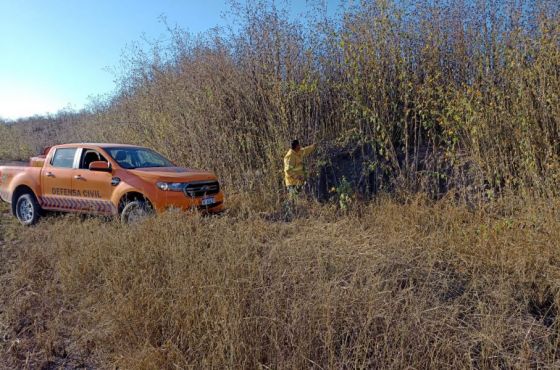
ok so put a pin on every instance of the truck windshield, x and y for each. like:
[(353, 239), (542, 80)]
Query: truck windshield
[(131, 158)]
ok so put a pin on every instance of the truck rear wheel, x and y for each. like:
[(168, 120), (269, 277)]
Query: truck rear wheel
[(136, 211), (27, 209)]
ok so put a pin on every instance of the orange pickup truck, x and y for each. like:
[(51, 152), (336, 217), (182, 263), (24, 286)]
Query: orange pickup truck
[(108, 179)]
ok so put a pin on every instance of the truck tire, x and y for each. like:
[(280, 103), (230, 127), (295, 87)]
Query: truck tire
[(136, 211), (27, 209)]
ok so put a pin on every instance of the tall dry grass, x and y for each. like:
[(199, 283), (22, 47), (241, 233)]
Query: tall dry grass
[(390, 285), (454, 96)]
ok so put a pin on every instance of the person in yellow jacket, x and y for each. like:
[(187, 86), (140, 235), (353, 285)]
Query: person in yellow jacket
[(294, 169)]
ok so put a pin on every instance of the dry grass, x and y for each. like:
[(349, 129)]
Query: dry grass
[(438, 98), (390, 285)]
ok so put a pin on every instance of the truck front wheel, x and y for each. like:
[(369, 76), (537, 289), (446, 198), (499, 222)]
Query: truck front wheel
[(135, 211), (27, 209)]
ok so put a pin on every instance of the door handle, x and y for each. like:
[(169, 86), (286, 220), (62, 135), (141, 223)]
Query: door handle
[(50, 174), (79, 177)]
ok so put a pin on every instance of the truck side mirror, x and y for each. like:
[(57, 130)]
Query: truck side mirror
[(100, 166)]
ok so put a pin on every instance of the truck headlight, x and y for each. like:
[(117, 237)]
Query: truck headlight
[(170, 186)]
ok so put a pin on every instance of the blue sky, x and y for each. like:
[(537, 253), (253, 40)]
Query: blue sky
[(54, 54)]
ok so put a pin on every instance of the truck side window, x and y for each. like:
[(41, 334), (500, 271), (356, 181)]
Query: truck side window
[(88, 156), (63, 157)]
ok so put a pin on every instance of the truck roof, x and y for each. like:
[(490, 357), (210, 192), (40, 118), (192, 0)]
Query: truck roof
[(100, 145)]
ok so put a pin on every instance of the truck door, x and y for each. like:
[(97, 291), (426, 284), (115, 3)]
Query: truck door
[(56, 180), (95, 188)]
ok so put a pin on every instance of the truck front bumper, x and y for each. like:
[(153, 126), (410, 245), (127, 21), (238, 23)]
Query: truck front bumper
[(177, 200)]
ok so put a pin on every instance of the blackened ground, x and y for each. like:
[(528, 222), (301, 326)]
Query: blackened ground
[(368, 173)]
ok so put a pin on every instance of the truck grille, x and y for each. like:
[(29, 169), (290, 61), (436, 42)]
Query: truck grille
[(202, 188)]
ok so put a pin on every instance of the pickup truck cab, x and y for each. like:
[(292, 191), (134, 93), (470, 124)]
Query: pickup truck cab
[(108, 179)]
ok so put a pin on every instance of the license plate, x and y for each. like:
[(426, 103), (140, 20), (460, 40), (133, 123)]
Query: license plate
[(207, 201)]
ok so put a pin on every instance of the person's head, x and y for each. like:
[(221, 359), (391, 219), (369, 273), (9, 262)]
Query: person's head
[(295, 145)]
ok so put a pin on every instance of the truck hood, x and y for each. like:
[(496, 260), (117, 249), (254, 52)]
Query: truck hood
[(177, 174)]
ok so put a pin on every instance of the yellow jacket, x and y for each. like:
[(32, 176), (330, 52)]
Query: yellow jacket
[(294, 170)]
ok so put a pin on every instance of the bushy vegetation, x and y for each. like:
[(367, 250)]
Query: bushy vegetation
[(460, 96)]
